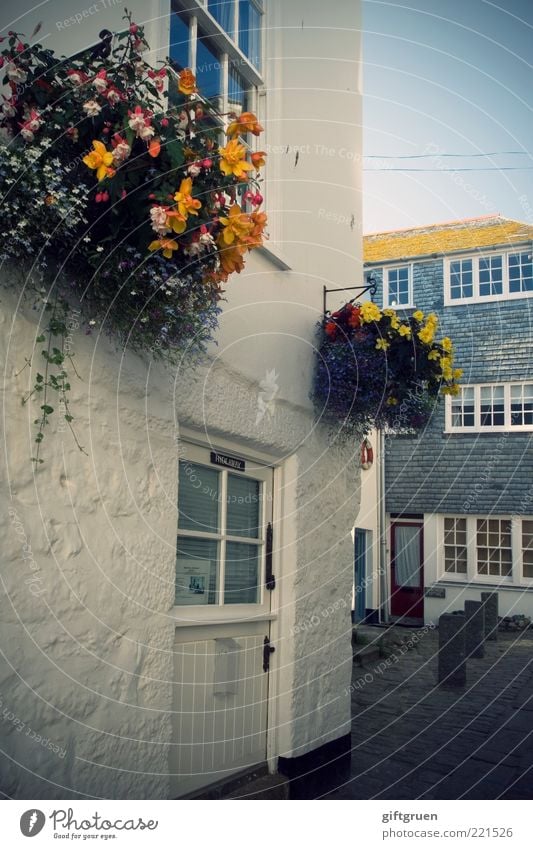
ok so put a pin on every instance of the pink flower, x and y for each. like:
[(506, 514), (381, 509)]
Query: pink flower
[(100, 81), (92, 108), (77, 77), (121, 149), (158, 216), (140, 122)]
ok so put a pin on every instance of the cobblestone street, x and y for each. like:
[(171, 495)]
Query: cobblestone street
[(412, 739)]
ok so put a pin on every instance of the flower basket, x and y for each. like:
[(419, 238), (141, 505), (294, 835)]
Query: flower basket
[(373, 370)]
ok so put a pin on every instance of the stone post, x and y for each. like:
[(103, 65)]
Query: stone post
[(452, 663), (490, 605), (475, 629)]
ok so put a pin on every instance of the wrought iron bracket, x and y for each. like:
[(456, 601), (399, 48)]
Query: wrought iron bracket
[(371, 288)]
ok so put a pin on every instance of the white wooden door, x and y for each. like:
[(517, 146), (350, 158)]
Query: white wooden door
[(223, 610)]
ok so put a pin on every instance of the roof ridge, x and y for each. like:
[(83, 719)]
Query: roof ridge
[(453, 221)]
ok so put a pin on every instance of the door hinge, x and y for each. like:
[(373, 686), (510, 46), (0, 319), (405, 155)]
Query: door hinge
[(270, 578), (267, 651)]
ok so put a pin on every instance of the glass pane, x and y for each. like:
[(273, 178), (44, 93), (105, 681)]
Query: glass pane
[(238, 99), (407, 556), (208, 70), (241, 584), (196, 571), (250, 32), (179, 42), (198, 498), (243, 516), (222, 11)]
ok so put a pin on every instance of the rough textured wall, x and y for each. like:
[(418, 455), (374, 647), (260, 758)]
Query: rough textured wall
[(466, 473)]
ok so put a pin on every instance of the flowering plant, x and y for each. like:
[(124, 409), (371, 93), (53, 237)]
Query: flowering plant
[(141, 205), (375, 370)]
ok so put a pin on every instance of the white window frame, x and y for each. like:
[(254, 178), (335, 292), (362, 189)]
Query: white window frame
[(516, 578), (476, 297), (386, 291), (507, 427), (197, 454)]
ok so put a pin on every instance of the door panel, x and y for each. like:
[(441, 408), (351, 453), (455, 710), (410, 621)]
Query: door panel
[(219, 710), (407, 573)]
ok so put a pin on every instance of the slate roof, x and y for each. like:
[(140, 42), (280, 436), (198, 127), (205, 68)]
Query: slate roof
[(448, 237)]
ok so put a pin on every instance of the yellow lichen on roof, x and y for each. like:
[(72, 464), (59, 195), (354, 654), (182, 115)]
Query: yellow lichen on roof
[(487, 232)]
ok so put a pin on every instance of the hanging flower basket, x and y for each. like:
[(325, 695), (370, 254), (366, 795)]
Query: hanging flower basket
[(135, 211), (374, 370)]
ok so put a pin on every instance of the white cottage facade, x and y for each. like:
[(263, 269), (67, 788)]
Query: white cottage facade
[(144, 584)]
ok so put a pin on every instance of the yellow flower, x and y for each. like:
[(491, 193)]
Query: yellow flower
[(233, 160), (447, 344), (187, 82), (187, 205), (405, 331), (446, 367), (418, 315), (176, 221), (432, 320), (100, 160), (166, 245), (389, 313), (370, 312), (450, 390), (382, 345), (392, 401), (457, 373), (236, 226), (434, 354), (427, 334)]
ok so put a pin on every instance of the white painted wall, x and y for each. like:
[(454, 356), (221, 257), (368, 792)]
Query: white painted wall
[(88, 661)]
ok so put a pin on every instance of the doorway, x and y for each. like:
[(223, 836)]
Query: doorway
[(407, 571)]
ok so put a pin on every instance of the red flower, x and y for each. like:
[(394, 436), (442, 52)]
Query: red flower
[(331, 329), (354, 318)]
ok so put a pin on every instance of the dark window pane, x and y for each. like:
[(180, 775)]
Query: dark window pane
[(241, 583), (244, 497), (208, 71), (250, 32), (179, 42), (222, 11)]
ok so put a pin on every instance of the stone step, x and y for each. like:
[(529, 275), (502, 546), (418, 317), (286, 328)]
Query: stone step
[(366, 655)]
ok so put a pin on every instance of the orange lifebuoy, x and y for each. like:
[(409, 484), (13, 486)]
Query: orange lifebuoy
[(367, 454)]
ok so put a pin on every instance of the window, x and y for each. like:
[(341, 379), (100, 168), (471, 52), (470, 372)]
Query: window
[(215, 53), (492, 407), (455, 546), (398, 288), (487, 549), (493, 546), (461, 278), (222, 516), (489, 276)]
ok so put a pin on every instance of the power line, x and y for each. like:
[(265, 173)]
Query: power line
[(460, 155)]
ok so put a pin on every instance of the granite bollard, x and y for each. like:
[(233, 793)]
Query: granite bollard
[(490, 605), (452, 662), (475, 629)]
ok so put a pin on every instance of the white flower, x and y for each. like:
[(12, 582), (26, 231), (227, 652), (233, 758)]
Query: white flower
[(113, 96), (92, 108), (99, 249), (8, 110), (27, 135), (158, 215), (207, 240), (193, 170), (16, 74), (92, 322), (100, 84), (146, 132), (121, 152), (136, 122)]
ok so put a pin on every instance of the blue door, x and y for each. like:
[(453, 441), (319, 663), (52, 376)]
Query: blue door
[(360, 574)]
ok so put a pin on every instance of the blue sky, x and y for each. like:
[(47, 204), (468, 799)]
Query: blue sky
[(447, 76)]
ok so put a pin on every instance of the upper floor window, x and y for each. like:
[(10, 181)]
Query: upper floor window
[(223, 12), (490, 407), (398, 287), (484, 277)]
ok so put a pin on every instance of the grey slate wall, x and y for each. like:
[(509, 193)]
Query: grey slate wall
[(466, 473)]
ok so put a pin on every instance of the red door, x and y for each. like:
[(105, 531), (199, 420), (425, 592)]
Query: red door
[(407, 571)]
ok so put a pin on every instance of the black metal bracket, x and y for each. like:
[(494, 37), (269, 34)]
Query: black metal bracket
[(371, 288), (267, 651), (270, 579)]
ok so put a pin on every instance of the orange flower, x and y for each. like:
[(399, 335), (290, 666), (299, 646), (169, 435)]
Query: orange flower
[(254, 239), (176, 221), (231, 260), (237, 226), (258, 159), (233, 160), (154, 148), (187, 82), (245, 123), (187, 205), (166, 245)]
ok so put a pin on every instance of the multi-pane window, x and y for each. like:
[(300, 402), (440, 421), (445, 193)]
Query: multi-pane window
[(225, 77), (527, 548), (462, 408), (399, 287), (221, 535), (520, 272), (493, 547), (491, 406), (490, 276), (455, 556), (483, 277), (461, 278), (502, 406)]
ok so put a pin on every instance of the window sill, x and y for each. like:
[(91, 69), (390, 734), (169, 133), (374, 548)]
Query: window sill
[(274, 256), (486, 299), (210, 615)]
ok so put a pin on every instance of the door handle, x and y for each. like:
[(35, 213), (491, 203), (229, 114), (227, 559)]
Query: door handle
[(267, 651)]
